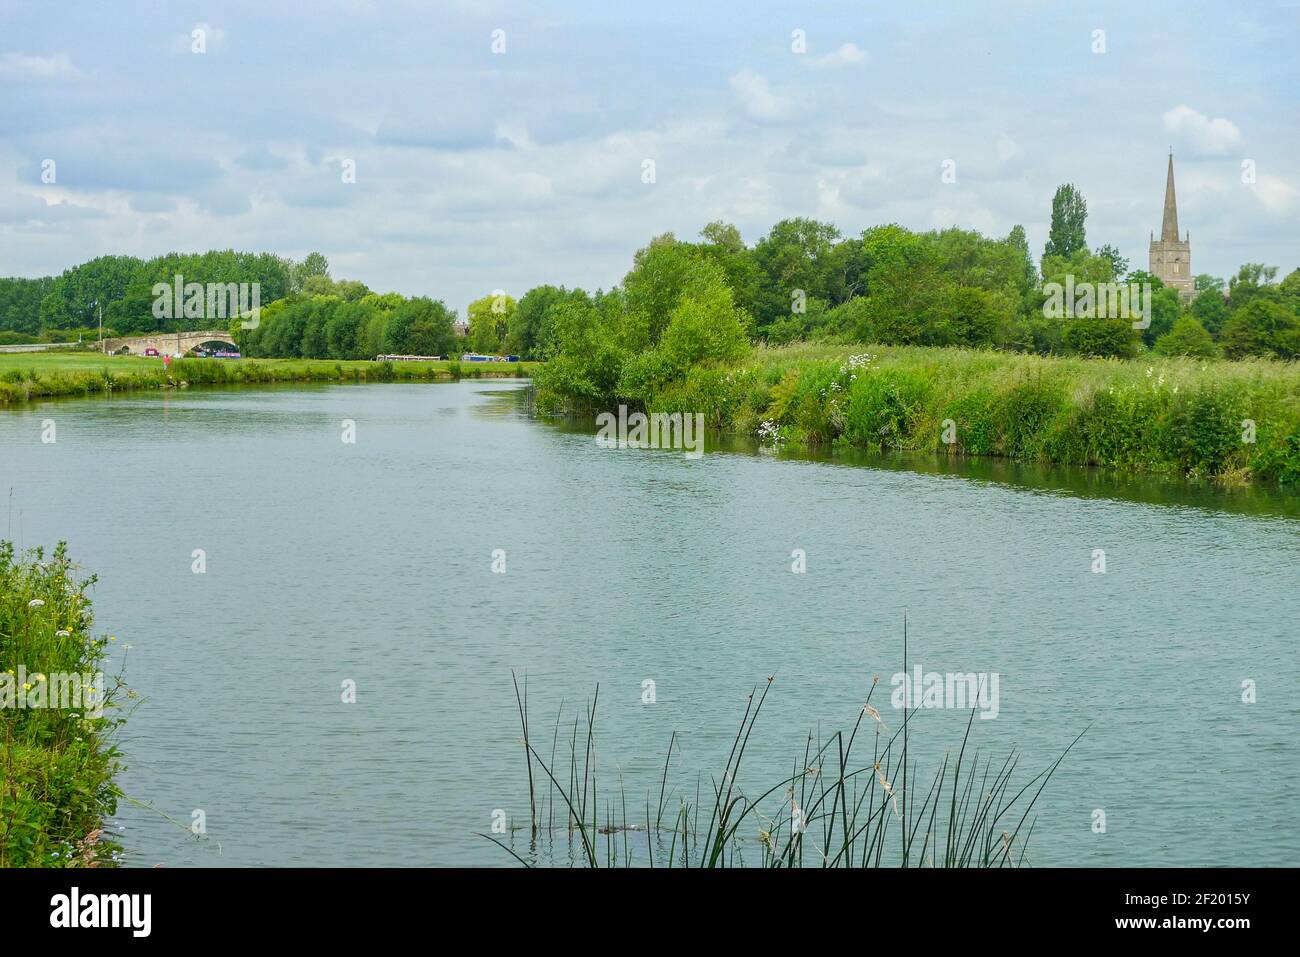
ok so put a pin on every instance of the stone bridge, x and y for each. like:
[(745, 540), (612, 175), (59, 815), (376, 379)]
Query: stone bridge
[(168, 343)]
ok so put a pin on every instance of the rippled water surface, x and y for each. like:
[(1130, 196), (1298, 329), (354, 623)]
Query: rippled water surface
[(371, 562)]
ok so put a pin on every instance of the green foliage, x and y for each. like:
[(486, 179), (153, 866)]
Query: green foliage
[(1118, 264), (1188, 338), (1069, 213), (57, 761), (489, 322), (1210, 309), (1101, 337), (705, 326), (1261, 328), (531, 326), (420, 327), (329, 327)]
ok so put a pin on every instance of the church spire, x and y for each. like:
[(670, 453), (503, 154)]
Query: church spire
[(1169, 231)]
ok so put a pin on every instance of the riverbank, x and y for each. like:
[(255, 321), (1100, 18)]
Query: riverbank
[(28, 376), (1235, 421), (57, 718)]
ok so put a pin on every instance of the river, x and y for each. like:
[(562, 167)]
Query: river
[(329, 563)]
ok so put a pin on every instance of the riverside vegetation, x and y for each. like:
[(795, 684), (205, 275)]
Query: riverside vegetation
[(34, 375), (57, 763), (1230, 420), (833, 810), (938, 341)]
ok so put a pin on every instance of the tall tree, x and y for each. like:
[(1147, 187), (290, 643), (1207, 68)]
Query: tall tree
[(1069, 211)]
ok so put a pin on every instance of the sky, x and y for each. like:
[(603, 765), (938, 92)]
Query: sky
[(501, 145)]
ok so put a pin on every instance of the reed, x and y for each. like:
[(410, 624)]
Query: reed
[(832, 810)]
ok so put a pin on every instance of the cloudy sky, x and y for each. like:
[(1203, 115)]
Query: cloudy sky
[(489, 160)]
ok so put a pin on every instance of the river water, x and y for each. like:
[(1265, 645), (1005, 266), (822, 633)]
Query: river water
[(330, 563)]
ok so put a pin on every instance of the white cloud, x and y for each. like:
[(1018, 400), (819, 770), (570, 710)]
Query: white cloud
[(1206, 135), (42, 67), (757, 99), (1277, 195), (1008, 149), (848, 54)]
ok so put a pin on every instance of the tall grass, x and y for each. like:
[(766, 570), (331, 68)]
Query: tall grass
[(57, 764), (832, 810), (1202, 418)]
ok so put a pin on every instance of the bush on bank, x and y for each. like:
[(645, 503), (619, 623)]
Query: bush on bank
[(57, 764)]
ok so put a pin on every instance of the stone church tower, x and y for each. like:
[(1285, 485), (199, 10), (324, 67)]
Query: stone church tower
[(1171, 260)]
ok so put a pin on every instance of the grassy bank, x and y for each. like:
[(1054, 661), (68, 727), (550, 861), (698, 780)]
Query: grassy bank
[(57, 758), (26, 376), (1232, 420)]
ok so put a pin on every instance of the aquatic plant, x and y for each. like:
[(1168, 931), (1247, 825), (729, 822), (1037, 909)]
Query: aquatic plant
[(832, 810)]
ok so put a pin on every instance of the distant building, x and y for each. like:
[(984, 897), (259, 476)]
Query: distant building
[(460, 327), (1171, 258)]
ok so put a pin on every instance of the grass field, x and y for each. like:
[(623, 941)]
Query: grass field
[(32, 375)]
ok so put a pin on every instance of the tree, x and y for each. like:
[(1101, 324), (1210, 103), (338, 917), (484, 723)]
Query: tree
[(588, 357), (1210, 309), (904, 286), (705, 326), (1250, 281), (795, 261), (489, 322), (1205, 281), (530, 329), (723, 235), (420, 327), (1166, 307), (1101, 337), (1261, 328), (654, 285), (1119, 265), (314, 264), (1020, 243), (1187, 338), (1069, 212)]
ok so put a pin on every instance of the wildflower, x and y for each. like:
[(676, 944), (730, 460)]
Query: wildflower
[(35, 603), (63, 633)]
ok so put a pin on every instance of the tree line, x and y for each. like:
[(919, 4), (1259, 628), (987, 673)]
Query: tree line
[(683, 302)]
